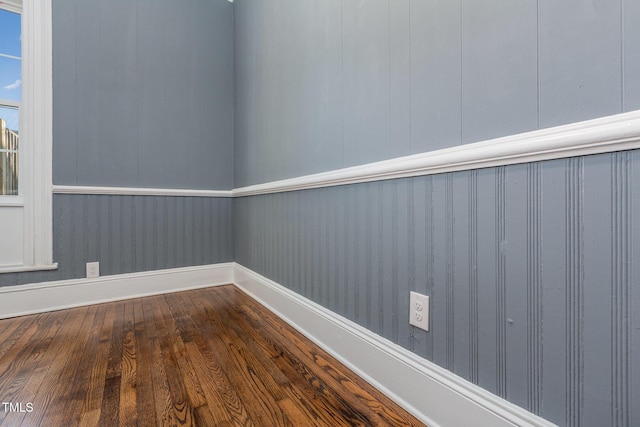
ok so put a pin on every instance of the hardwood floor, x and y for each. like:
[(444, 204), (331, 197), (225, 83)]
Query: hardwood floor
[(209, 357)]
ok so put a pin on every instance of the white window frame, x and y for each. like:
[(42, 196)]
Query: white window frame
[(36, 135)]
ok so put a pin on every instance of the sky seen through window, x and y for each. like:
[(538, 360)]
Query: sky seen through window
[(10, 65)]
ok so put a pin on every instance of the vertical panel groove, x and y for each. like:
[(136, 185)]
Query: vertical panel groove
[(73, 249), (345, 251), (322, 256), (501, 332), (534, 286), (336, 279), (369, 249), (136, 230), (315, 247), (620, 288), (394, 262), (574, 292), (473, 276), (193, 247), (430, 252), (151, 226), (411, 243), (289, 241), (110, 264), (450, 275), (160, 216), (379, 309), (118, 233), (306, 289), (356, 252), (98, 227)]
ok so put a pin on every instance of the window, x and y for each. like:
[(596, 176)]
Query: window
[(25, 135), (10, 97)]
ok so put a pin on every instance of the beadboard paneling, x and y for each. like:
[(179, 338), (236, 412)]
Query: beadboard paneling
[(129, 234), (530, 269)]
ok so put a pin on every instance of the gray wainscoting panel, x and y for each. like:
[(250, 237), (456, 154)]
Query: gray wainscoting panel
[(370, 53), (499, 68), (580, 60), (129, 234), (532, 270), (67, 77), (436, 74), (332, 84), (633, 302), (306, 38), (631, 55), (143, 93)]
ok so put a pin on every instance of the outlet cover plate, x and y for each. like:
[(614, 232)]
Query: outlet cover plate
[(93, 270), (419, 310)]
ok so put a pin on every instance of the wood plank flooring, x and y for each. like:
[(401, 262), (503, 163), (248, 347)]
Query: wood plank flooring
[(209, 357)]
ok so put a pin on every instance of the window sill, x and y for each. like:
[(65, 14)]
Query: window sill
[(25, 268), (11, 202)]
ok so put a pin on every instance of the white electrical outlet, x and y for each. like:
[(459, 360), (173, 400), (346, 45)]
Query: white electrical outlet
[(93, 270), (419, 310)]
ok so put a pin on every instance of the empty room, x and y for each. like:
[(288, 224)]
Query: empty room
[(320, 212)]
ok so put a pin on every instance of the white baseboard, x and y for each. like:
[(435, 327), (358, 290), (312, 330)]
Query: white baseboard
[(42, 297), (434, 395)]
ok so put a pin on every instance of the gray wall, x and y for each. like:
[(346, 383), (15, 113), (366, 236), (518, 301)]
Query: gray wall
[(143, 93), (325, 84), (134, 233), (142, 97), (532, 270), (531, 267)]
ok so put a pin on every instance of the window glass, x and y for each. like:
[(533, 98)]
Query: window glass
[(11, 117), (10, 81), (9, 144), (10, 33), (10, 54), (10, 97)]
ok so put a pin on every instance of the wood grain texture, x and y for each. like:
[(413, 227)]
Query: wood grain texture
[(209, 357)]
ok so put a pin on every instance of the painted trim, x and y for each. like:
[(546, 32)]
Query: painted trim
[(36, 115), (434, 395), (6, 102), (11, 202), (132, 191), (36, 112), (607, 134), (603, 135), (25, 268), (50, 296), (14, 6)]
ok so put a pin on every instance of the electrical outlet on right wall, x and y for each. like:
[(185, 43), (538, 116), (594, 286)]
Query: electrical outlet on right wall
[(419, 310)]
